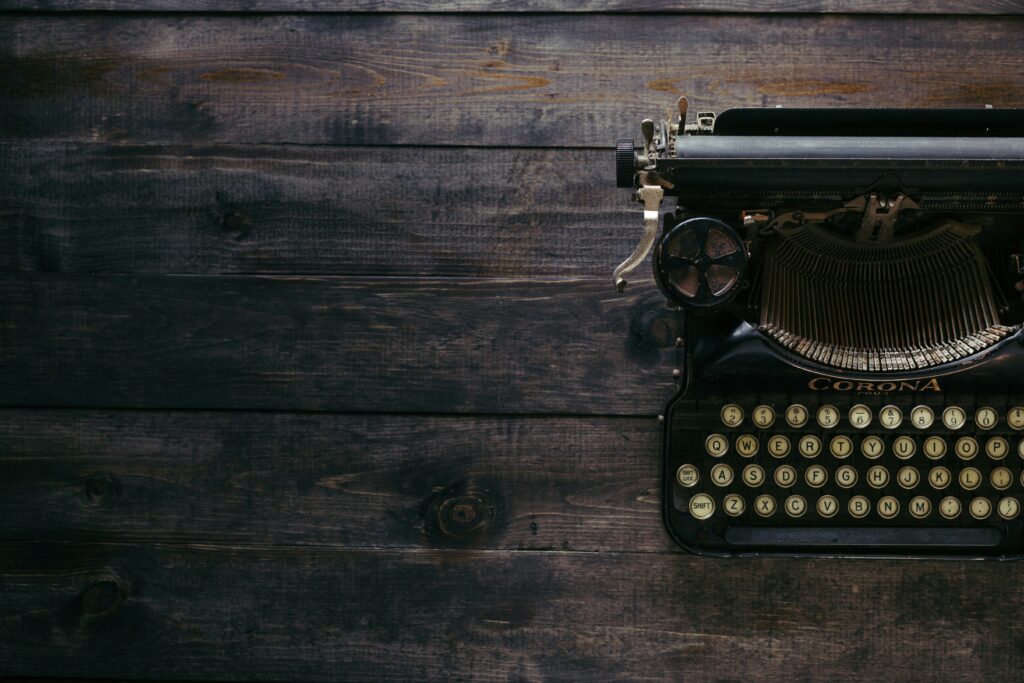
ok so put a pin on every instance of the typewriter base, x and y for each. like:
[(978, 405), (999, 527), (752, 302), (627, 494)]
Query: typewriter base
[(749, 366)]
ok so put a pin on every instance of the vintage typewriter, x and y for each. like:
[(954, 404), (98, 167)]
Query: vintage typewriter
[(850, 287)]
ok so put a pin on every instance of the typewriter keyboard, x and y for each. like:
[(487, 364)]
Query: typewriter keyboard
[(830, 464)]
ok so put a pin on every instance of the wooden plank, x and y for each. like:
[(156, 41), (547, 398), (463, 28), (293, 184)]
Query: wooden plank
[(208, 612), (493, 80), (345, 344), (587, 6), (416, 211), (332, 480)]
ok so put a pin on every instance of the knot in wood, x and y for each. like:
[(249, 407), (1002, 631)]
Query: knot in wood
[(462, 516), (100, 488), (103, 596)]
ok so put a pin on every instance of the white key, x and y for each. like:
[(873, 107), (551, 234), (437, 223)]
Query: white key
[(732, 415), (827, 506), (828, 416), (890, 417), (702, 506), (860, 416), (954, 417), (922, 417), (716, 445), (986, 418), (734, 505), (763, 416), (796, 416)]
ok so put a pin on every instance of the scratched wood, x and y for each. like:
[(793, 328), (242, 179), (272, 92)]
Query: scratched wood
[(587, 6), (332, 480), (494, 80), (409, 211), (256, 613), (303, 343)]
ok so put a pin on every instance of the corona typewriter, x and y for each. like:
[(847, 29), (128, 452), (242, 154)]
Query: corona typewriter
[(850, 285)]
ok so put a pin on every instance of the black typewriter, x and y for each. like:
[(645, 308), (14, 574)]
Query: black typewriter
[(850, 283)]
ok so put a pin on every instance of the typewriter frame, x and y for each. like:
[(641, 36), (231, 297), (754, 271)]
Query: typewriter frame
[(823, 139)]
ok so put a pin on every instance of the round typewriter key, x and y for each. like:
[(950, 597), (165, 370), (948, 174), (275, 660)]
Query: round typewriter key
[(732, 415), (687, 476), (764, 505), (939, 478), (746, 445), (734, 505), (970, 478), (891, 417), (878, 477), (785, 476), (763, 416), (828, 416), (1008, 508), (920, 507), (860, 416), (858, 507), (796, 416), (888, 507), (778, 446), (966, 448), (986, 418), (1015, 417), (908, 477), (753, 475), (922, 417), (702, 506), (716, 445), (997, 448), (1020, 448), (872, 447), (816, 476), (846, 476), (810, 446), (934, 447), (795, 506), (721, 474), (827, 506), (841, 446), (949, 507), (954, 417), (1000, 478), (903, 447), (980, 508)]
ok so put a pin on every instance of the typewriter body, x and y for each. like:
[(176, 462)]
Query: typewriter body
[(850, 283)]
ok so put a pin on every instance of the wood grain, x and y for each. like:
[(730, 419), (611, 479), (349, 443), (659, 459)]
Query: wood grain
[(588, 6), (493, 80), (332, 480), (414, 211), (215, 612), (345, 344)]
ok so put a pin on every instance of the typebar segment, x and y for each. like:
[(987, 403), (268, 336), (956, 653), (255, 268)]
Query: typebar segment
[(854, 536)]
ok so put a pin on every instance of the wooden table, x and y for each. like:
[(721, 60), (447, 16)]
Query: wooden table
[(311, 367)]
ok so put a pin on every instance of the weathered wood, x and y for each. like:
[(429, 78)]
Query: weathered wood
[(670, 6), (332, 480), (565, 81), (281, 209), (215, 612), (346, 344)]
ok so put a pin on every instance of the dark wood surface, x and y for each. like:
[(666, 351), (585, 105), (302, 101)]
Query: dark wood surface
[(489, 6), (311, 368), (518, 80)]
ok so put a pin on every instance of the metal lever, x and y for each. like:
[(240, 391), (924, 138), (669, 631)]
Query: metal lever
[(651, 196)]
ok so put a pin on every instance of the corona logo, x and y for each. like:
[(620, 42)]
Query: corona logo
[(885, 387)]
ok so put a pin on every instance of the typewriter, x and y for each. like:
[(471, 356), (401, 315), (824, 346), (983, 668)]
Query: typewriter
[(850, 288)]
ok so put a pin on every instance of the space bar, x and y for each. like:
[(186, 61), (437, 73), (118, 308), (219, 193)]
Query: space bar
[(848, 536)]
